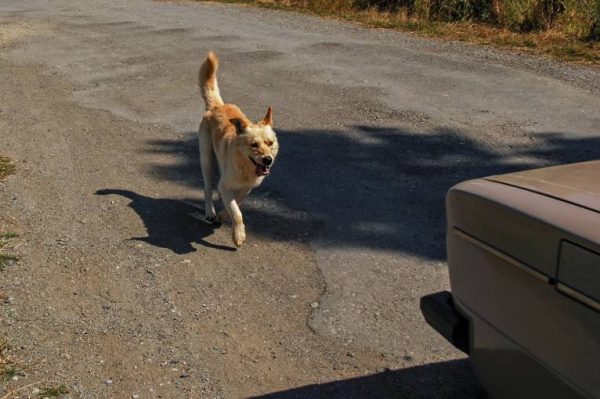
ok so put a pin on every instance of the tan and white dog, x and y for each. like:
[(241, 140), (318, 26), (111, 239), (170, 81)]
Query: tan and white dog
[(244, 151)]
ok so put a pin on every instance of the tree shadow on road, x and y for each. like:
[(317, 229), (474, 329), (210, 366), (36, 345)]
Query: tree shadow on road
[(445, 380), (169, 223), (381, 188)]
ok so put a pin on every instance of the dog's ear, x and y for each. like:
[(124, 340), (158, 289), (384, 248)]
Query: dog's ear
[(268, 119), (240, 125)]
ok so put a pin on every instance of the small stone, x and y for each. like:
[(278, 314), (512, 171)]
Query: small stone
[(184, 375), (10, 299), (136, 396), (314, 305), (108, 382), (35, 391), (15, 378)]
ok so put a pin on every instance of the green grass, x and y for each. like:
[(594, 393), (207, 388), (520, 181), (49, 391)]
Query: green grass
[(7, 260), (53, 392), (6, 167), (8, 372), (4, 238), (7, 368)]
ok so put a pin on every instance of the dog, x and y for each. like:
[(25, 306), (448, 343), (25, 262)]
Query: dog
[(244, 151)]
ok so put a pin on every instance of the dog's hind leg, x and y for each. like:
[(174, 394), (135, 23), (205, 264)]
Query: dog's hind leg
[(207, 162)]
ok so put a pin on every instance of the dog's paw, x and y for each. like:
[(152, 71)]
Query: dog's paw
[(212, 219), (211, 214), (239, 235)]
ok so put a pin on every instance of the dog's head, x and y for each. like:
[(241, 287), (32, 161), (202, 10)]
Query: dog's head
[(258, 142)]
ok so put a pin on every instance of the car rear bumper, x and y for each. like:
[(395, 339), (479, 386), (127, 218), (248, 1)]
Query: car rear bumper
[(440, 313)]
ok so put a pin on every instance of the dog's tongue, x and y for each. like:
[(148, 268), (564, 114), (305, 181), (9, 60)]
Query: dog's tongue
[(262, 170)]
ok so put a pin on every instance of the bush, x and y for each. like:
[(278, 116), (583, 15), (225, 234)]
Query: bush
[(594, 31), (579, 19), (461, 10)]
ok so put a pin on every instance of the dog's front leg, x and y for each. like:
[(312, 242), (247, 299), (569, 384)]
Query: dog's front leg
[(240, 196), (239, 230)]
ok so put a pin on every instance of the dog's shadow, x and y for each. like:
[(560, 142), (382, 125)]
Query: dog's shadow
[(169, 223)]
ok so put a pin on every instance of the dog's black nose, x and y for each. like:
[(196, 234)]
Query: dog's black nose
[(267, 160)]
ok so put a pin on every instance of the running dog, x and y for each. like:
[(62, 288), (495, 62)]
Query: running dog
[(244, 151)]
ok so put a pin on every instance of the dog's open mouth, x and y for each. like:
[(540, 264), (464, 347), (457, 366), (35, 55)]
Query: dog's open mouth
[(261, 170)]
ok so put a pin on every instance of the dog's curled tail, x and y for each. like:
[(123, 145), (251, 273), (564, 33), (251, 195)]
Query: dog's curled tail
[(208, 81)]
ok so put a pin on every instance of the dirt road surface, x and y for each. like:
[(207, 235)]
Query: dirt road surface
[(121, 291)]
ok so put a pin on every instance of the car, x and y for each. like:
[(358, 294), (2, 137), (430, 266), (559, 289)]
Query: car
[(524, 263)]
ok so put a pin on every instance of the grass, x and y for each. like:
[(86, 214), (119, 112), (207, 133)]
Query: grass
[(5, 237), (6, 167), (567, 36), (8, 373), (7, 368), (53, 392), (7, 260)]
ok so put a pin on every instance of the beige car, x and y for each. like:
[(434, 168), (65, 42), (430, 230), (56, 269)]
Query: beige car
[(524, 260)]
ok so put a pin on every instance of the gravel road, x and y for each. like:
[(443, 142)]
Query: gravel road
[(121, 291)]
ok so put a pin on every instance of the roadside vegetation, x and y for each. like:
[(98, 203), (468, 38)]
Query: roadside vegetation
[(8, 371), (6, 167), (7, 367), (564, 29), (53, 392), (7, 260)]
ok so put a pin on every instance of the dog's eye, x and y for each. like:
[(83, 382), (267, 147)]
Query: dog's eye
[(269, 143), (254, 145)]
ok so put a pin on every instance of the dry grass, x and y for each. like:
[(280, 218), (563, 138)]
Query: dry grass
[(53, 392), (7, 367), (7, 236), (565, 40), (6, 167), (7, 260)]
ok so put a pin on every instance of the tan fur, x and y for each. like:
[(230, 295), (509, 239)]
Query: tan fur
[(237, 144), (207, 77)]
